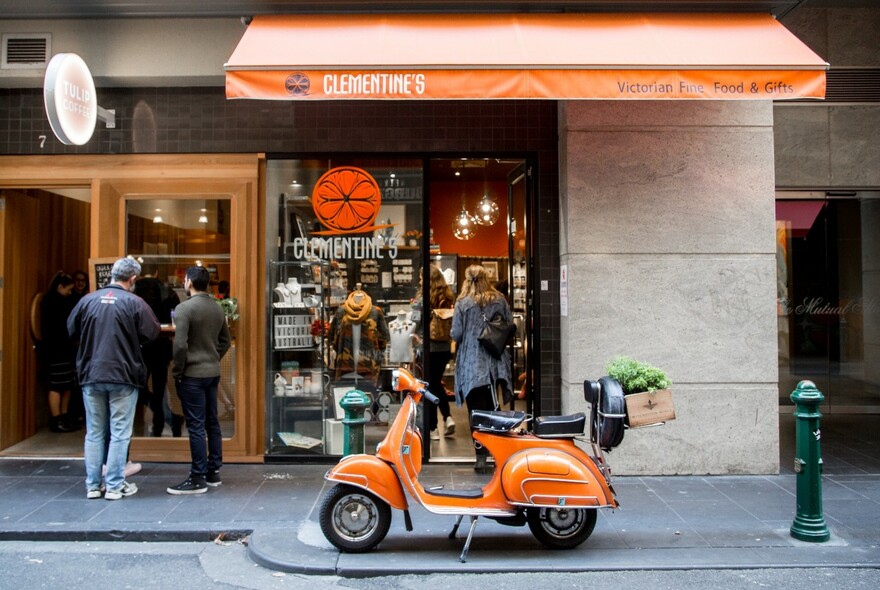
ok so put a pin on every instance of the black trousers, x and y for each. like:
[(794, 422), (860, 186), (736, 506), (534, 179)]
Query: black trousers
[(198, 397), (438, 362), (157, 357), (480, 398)]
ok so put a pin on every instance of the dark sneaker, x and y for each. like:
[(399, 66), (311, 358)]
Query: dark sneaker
[(127, 489), (192, 485), (213, 479)]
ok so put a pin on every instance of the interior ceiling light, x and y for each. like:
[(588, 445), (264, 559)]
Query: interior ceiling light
[(158, 217), (203, 218), (487, 211), (487, 208), (464, 226)]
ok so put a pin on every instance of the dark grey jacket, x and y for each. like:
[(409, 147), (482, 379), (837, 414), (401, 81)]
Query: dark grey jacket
[(201, 337), (474, 367), (110, 325)]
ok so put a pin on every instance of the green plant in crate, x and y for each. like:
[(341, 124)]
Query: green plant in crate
[(635, 376)]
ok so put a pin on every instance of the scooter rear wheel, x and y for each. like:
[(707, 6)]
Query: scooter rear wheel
[(354, 520), (561, 528)]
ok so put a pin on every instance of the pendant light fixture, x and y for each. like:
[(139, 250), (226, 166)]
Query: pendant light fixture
[(487, 208), (487, 211), (464, 226)]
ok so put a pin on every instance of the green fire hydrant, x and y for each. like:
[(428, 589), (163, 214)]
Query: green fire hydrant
[(354, 403), (809, 522)]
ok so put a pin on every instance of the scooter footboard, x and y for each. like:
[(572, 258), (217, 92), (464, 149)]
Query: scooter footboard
[(371, 474), (542, 477)]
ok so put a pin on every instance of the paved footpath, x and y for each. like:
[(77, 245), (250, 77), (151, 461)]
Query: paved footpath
[(674, 522)]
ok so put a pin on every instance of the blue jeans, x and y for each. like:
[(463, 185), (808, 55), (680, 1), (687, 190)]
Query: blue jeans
[(110, 409), (198, 398)]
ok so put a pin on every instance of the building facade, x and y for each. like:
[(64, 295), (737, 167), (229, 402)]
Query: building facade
[(661, 215)]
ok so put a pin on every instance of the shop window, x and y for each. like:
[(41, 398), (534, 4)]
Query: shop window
[(168, 235), (344, 251)]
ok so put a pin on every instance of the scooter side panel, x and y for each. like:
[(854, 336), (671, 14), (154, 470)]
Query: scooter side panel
[(372, 474), (550, 477)]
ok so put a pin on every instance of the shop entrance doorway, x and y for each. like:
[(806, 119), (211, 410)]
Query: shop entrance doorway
[(44, 231), (492, 196)]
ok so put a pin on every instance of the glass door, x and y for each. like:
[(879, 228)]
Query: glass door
[(519, 279), (828, 309)]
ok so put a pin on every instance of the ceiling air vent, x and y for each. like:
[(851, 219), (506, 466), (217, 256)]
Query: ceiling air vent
[(26, 50)]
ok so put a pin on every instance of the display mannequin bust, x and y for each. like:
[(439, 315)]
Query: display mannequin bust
[(294, 290), (402, 330), (283, 295)]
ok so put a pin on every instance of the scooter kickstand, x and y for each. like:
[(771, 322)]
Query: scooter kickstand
[(454, 530), (467, 544)]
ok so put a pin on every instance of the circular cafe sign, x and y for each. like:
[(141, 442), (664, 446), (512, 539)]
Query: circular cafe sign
[(69, 94)]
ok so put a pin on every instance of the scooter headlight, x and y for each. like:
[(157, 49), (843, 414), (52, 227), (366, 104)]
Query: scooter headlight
[(395, 380)]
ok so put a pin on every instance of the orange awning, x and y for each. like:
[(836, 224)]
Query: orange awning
[(553, 56)]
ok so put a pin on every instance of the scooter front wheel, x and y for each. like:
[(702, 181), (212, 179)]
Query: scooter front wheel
[(354, 520), (561, 528)]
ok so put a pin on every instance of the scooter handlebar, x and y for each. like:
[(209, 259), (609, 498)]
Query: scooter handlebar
[(430, 397)]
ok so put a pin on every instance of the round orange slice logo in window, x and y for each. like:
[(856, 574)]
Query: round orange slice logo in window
[(346, 200)]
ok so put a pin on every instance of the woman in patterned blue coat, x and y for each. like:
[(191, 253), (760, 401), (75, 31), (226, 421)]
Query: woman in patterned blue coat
[(478, 374)]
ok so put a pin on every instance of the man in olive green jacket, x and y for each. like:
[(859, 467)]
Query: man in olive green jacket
[(201, 338)]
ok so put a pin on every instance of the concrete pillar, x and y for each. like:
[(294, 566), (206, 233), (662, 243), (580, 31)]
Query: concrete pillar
[(668, 233)]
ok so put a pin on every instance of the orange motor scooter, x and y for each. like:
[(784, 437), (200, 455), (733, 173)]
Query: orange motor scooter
[(541, 479)]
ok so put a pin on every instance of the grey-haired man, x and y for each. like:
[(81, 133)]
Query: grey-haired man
[(111, 324)]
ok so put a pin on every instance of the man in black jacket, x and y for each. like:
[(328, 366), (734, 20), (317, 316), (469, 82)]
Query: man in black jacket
[(111, 324)]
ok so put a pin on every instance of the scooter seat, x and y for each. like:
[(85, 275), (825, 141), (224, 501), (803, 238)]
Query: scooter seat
[(560, 426), (498, 421)]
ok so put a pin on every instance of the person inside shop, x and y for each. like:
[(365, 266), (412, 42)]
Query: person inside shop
[(59, 351), (441, 298), (80, 284), (76, 410), (358, 334), (478, 374), (223, 290), (157, 354)]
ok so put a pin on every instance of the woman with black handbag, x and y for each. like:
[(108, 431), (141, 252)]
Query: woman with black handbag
[(478, 372)]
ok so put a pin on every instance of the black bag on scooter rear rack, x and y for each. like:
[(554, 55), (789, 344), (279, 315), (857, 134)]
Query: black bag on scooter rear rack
[(607, 412)]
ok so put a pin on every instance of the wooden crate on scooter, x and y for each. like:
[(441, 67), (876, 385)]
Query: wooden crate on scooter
[(649, 408)]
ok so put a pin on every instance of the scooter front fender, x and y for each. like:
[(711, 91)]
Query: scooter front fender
[(372, 474)]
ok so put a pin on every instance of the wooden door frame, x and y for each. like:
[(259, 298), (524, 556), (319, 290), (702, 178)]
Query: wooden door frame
[(112, 178)]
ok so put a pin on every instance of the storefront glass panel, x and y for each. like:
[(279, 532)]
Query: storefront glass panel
[(828, 304), (344, 257), (168, 235)]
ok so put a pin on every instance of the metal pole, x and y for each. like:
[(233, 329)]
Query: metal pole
[(809, 523)]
